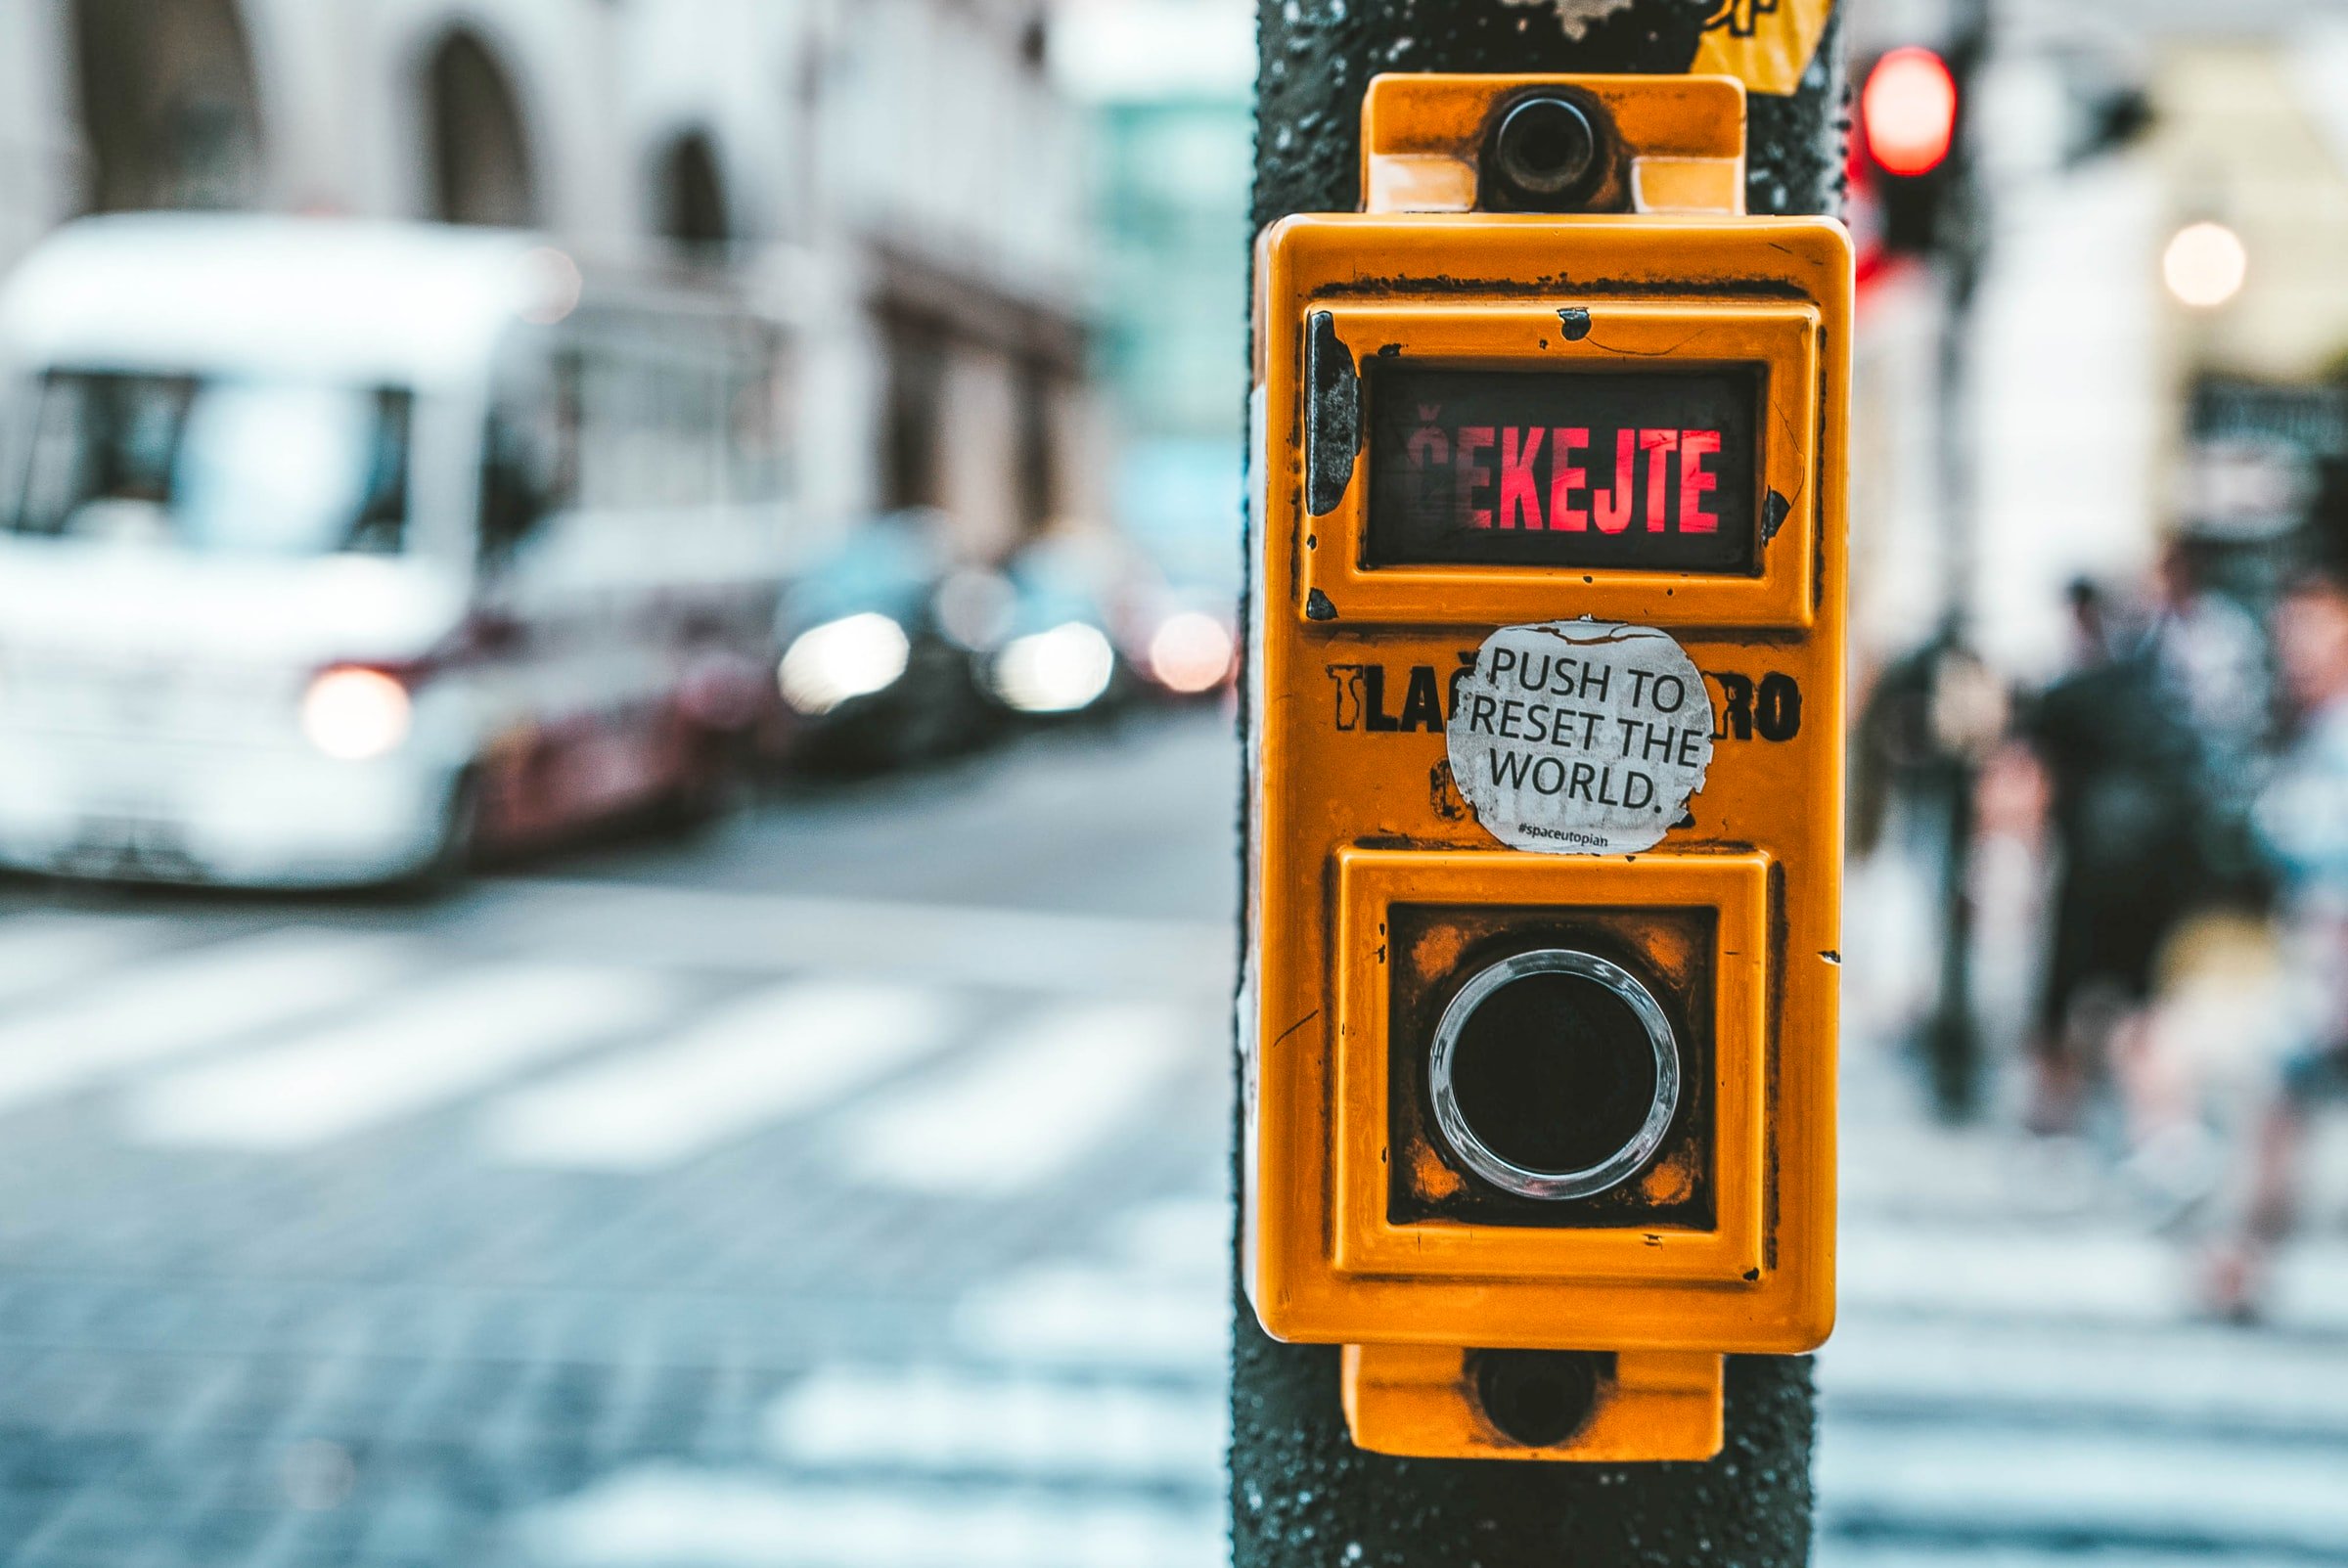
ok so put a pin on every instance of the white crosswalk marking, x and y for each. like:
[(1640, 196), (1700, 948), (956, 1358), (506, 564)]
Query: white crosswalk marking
[(49, 950), (1180, 1240), (1051, 952), (1834, 1553), (940, 1420), (2187, 1375), (1927, 1265), (2019, 1376), (1026, 1110), (780, 1052), (430, 1047), (1074, 1315), (2116, 1485), (668, 1515), (1031, 1466), (185, 1003)]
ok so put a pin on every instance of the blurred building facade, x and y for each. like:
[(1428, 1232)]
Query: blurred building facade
[(900, 180), (2101, 414), (1171, 87), (2252, 135)]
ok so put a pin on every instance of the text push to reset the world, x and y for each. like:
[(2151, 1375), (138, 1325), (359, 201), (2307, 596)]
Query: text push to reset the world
[(1580, 737)]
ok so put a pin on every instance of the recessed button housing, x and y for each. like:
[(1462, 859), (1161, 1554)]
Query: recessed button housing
[(1554, 1074)]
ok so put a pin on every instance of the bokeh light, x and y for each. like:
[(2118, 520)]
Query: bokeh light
[(853, 656), (355, 714), (2205, 265), (1191, 651)]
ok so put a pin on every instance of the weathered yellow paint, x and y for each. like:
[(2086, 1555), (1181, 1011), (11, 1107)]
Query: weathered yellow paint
[(1765, 44), (1348, 828), (1418, 1402)]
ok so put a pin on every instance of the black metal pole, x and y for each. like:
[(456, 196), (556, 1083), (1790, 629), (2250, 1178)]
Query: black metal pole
[(1300, 1492), (1952, 1034)]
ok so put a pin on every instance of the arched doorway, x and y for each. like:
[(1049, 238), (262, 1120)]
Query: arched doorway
[(169, 111), (690, 194), (480, 159)]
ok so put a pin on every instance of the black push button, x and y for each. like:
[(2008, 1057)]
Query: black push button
[(1554, 1074)]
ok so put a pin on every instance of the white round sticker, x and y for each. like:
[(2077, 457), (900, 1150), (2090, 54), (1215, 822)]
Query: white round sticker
[(1580, 737)]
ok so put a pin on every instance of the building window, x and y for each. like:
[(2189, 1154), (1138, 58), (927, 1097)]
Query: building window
[(481, 170), (168, 107), (917, 377), (1038, 461), (691, 194)]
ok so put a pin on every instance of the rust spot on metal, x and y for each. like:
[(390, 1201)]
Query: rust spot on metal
[(1438, 949), (1672, 1181), (1432, 1178)]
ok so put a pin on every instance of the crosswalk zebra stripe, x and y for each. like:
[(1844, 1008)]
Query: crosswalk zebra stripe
[(1071, 1315), (2018, 1481), (1833, 1551), (781, 1052), (1023, 1110), (656, 1517), (435, 1045), (48, 950), (2207, 1375), (1047, 951), (945, 1421), (1929, 1268), (187, 1002), (1180, 1240)]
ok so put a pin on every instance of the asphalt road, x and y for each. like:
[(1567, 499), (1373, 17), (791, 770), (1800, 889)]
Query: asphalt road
[(845, 1188)]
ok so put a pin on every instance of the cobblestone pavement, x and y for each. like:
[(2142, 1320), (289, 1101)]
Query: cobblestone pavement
[(796, 1197)]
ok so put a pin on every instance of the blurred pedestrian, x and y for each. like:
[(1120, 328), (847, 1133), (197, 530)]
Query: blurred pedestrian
[(2211, 656), (2176, 1062), (2127, 808), (2209, 653), (2302, 821), (1932, 719)]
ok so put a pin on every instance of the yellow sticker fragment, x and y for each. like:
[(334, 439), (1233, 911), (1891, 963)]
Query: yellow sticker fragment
[(1765, 44)]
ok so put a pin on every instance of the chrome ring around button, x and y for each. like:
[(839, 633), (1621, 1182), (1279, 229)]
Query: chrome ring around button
[(1489, 1163)]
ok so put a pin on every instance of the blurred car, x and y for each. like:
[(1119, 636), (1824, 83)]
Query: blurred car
[(331, 550), (869, 674), (1057, 653)]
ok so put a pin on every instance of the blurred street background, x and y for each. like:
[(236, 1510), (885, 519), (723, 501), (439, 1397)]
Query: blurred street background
[(616, 624)]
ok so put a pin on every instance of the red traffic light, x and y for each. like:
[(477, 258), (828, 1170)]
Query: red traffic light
[(1907, 111)]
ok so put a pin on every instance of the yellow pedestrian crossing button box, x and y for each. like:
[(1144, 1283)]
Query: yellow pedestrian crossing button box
[(1545, 714)]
